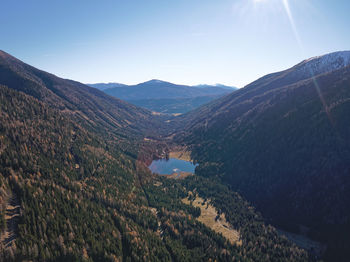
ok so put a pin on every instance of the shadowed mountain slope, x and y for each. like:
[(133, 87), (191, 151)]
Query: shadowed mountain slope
[(284, 143)]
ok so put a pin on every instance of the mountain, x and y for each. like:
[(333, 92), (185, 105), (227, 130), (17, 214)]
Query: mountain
[(67, 166), (103, 86), (218, 85), (157, 89), (283, 142), (74, 183), (165, 97), (85, 104), (305, 70)]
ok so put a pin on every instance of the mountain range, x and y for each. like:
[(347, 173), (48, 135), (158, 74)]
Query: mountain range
[(74, 182), (165, 97)]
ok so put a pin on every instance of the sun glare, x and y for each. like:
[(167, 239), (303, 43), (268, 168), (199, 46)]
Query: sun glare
[(292, 23)]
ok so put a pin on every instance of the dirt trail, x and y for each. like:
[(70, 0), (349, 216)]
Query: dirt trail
[(12, 214)]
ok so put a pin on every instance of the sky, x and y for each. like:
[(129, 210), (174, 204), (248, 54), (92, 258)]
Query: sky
[(232, 42)]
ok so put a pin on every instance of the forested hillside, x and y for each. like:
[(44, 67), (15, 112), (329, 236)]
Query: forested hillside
[(69, 182), (81, 199), (71, 168), (87, 106), (283, 143)]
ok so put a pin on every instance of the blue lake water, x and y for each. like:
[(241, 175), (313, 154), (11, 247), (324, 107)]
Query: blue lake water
[(173, 165)]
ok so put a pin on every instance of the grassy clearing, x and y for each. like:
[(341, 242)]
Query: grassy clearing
[(181, 154), (209, 217)]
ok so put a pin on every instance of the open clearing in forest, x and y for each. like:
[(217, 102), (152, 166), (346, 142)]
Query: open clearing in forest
[(209, 218), (181, 154)]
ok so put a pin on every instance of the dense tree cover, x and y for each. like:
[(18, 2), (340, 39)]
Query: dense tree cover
[(286, 149), (79, 196), (260, 242), (69, 153)]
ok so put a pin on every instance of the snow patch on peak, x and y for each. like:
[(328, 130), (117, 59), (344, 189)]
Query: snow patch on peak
[(326, 63)]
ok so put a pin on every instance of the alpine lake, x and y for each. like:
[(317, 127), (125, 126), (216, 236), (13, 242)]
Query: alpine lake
[(172, 166)]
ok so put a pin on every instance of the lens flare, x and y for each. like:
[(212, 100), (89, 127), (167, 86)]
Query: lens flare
[(298, 39), (292, 23), (323, 101)]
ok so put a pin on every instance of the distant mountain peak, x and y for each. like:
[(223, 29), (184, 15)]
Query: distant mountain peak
[(155, 82), (216, 85), (104, 86)]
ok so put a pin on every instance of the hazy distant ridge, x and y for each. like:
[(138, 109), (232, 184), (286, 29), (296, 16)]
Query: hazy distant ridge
[(165, 97)]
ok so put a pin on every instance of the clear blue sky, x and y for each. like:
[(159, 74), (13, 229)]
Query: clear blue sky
[(183, 41)]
